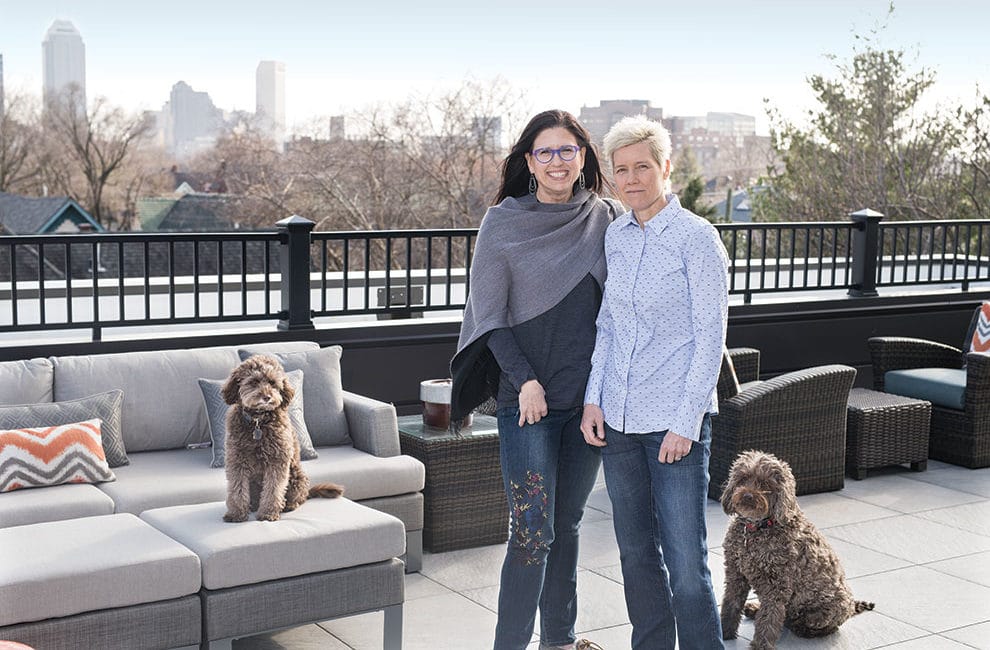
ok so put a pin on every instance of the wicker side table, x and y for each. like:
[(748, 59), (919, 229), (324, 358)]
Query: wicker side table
[(464, 496), (884, 429)]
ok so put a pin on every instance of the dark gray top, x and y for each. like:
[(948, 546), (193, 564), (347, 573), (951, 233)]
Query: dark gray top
[(554, 348)]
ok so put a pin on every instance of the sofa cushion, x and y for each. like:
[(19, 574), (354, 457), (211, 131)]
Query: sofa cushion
[(103, 406), (44, 456), (321, 535), (22, 507), (162, 404), (156, 479), (62, 568), (216, 412), (942, 386), (324, 396), (978, 337), (26, 382), (365, 476)]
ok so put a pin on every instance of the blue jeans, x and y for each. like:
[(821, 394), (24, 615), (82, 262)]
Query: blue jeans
[(658, 510), (548, 471)]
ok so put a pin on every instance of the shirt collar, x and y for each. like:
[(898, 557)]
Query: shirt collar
[(661, 219)]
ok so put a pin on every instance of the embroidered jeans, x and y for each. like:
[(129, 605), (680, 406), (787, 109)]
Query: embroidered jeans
[(658, 511), (549, 472)]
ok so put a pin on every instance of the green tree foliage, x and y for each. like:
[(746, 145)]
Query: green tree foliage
[(690, 198), (868, 145)]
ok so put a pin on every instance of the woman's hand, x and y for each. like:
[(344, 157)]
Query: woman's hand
[(593, 425), (673, 448), (532, 403)]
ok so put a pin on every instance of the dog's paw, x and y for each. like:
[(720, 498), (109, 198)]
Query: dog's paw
[(234, 518), (268, 516)]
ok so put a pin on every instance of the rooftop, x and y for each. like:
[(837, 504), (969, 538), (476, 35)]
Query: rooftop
[(917, 544)]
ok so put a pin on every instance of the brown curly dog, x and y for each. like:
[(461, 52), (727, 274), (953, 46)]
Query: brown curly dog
[(262, 450), (772, 547)]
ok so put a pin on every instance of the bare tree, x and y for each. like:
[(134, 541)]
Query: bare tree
[(19, 144), (97, 142)]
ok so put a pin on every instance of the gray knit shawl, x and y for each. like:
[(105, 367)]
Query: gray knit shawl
[(529, 256)]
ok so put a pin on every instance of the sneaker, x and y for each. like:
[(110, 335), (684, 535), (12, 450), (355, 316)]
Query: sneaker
[(585, 644)]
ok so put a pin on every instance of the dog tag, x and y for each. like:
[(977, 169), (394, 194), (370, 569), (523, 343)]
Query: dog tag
[(257, 430)]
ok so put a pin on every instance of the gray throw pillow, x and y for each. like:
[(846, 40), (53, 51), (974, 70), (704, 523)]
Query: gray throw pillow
[(324, 394), (216, 412), (102, 406)]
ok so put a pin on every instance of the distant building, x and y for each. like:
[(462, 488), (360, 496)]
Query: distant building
[(1, 86), (270, 98), (599, 119), (487, 130), (338, 127), (192, 122), (63, 60), (28, 215), (724, 125)]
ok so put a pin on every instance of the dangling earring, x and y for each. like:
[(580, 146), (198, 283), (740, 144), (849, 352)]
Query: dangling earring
[(581, 181), (532, 184)]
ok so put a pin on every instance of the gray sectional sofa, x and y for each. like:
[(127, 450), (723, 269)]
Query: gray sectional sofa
[(144, 560)]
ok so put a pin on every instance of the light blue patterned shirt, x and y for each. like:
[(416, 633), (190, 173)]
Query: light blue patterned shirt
[(661, 327)]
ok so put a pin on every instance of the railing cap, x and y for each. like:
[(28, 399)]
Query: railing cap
[(866, 213), (295, 221)]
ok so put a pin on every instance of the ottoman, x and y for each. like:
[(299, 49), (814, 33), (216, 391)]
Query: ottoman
[(329, 558), (884, 429), (105, 582)]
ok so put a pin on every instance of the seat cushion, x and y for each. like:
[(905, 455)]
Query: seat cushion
[(62, 568), (321, 535), (942, 386), (22, 507), (365, 476), (156, 479)]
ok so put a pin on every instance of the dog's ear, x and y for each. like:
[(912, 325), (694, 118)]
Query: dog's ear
[(729, 488), (288, 392), (784, 497), (232, 387)]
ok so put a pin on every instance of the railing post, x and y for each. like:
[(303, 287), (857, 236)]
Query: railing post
[(865, 252), (294, 265)]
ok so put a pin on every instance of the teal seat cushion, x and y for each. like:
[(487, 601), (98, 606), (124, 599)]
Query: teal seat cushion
[(943, 386)]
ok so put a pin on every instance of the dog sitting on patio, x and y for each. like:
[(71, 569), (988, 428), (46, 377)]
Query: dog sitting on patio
[(772, 547), (262, 450)]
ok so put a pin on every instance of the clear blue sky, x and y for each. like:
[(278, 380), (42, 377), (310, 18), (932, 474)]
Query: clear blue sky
[(686, 57)]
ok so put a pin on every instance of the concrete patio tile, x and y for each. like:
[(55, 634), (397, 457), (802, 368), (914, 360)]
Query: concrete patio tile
[(445, 621), (912, 538), (465, 569), (599, 500), (975, 568), (905, 494), (867, 630), (931, 642), (598, 547), (419, 586), (976, 636), (972, 517), (836, 509), (306, 637), (954, 477), (925, 598), (860, 561)]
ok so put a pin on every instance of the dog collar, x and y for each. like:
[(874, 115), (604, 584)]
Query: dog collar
[(758, 525), (256, 420)]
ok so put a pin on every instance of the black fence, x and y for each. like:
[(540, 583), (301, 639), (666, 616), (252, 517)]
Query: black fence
[(293, 275)]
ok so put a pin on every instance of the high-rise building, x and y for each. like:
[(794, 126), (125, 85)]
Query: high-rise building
[(270, 98), (63, 61), (192, 121), (599, 119)]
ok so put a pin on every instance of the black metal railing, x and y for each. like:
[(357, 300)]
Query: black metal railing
[(292, 275)]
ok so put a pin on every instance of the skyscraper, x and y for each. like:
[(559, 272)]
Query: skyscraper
[(192, 121), (270, 98), (63, 60)]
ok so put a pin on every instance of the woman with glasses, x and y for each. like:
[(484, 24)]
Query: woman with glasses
[(651, 392), (526, 339)]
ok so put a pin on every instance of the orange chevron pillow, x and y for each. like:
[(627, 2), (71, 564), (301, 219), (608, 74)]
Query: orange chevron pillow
[(67, 453), (981, 332)]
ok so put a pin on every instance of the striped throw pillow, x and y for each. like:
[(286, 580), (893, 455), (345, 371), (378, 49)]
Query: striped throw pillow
[(42, 456), (981, 331)]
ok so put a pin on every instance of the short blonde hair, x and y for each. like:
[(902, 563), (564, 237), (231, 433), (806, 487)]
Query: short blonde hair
[(633, 130)]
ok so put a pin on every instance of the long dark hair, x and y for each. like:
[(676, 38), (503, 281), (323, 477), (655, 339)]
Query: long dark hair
[(515, 172)]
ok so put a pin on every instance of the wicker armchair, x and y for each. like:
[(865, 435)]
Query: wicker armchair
[(958, 436), (800, 417)]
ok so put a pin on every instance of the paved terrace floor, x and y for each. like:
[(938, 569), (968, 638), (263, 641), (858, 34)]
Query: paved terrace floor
[(918, 544)]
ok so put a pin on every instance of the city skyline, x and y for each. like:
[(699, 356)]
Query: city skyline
[(685, 60)]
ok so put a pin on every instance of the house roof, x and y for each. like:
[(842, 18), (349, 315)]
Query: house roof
[(27, 215), (217, 212)]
